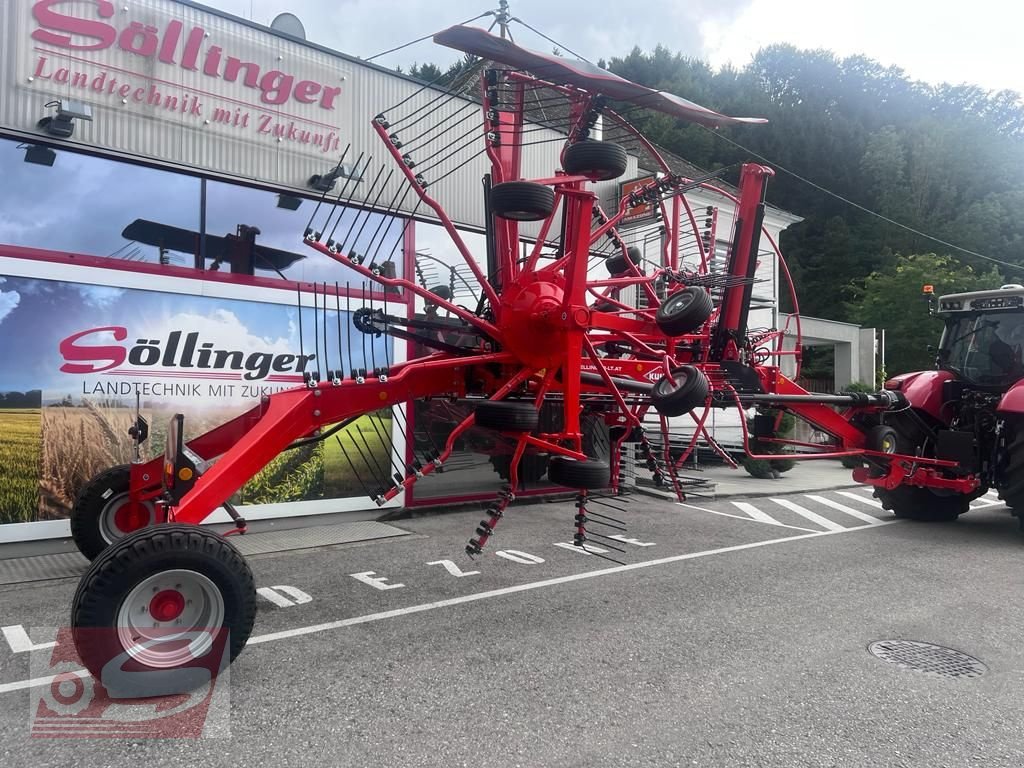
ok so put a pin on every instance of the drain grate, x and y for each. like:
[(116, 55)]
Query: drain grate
[(934, 660)]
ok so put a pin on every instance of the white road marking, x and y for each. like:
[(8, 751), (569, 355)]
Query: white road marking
[(982, 502), (591, 549), (477, 597), (284, 595), (871, 502), (628, 540), (377, 582), (814, 517), (453, 569), (870, 519), (755, 513), (744, 517), (524, 558), (20, 642), (279, 600)]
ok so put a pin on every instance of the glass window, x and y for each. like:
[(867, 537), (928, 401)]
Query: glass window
[(259, 232), (65, 201)]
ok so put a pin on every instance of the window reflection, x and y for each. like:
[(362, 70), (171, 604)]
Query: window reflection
[(102, 207), (273, 225), (88, 204)]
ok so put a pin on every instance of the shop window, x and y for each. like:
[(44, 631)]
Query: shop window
[(260, 232), (58, 200)]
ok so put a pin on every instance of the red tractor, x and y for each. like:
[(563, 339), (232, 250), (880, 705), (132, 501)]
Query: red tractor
[(967, 414), (575, 326)]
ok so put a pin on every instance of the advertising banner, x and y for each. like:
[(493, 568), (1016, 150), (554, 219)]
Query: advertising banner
[(78, 360)]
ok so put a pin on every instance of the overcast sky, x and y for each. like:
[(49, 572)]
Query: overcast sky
[(932, 40)]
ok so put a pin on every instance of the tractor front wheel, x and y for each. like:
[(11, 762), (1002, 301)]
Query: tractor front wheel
[(909, 502), (163, 610)]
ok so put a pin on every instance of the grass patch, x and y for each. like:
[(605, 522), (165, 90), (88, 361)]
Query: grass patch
[(340, 479), (20, 458)]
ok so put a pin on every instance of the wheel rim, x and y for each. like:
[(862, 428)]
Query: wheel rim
[(117, 518), (170, 618), (680, 301), (888, 444), (666, 387)]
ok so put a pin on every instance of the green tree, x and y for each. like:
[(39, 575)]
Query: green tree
[(891, 298)]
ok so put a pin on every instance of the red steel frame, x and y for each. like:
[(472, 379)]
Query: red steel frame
[(541, 324)]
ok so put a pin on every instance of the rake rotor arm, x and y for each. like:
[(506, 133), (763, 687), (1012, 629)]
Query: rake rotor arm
[(292, 414)]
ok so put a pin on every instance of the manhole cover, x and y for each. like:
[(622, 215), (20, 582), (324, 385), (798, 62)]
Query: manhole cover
[(935, 660)]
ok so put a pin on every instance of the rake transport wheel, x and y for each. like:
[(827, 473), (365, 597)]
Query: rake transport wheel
[(597, 160), (504, 416), (159, 600), (101, 514), (532, 467), (908, 502), (618, 263), (688, 389), (522, 201), (684, 311), (590, 475)]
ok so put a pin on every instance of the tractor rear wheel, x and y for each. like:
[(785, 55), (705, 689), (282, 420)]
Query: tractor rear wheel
[(1011, 490), (908, 502), (162, 611), (102, 513)]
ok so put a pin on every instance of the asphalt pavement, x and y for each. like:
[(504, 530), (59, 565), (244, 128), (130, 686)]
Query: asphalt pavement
[(736, 634)]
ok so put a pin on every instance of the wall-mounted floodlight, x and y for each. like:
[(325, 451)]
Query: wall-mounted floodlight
[(62, 123), (39, 155), (325, 182), (288, 202)]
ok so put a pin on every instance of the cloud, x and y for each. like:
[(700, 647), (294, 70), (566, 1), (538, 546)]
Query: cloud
[(99, 296), (592, 29), (223, 328), (9, 300)]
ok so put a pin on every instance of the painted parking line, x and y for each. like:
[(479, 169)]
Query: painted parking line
[(814, 517), (763, 517), (870, 501), (824, 500), (768, 521), (479, 596)]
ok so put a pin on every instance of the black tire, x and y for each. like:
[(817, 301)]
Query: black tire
[(522, 201), (882, 438), (1011, 487), (597, 160), (618, 263), (909, 502), (590, 475), (94, 520), (684, 311), (532, 467), (689, 391), (505, 416), (112, 585)]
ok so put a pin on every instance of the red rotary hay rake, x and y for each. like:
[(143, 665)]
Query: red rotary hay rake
[(571, 321)]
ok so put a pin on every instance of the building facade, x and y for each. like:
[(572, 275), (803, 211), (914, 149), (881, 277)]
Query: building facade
[(160, 164)]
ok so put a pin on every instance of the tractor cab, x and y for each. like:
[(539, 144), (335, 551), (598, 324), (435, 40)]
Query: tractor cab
[(983, 341)]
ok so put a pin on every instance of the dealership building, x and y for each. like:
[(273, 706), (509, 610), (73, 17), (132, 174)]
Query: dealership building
[(160, 163)]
